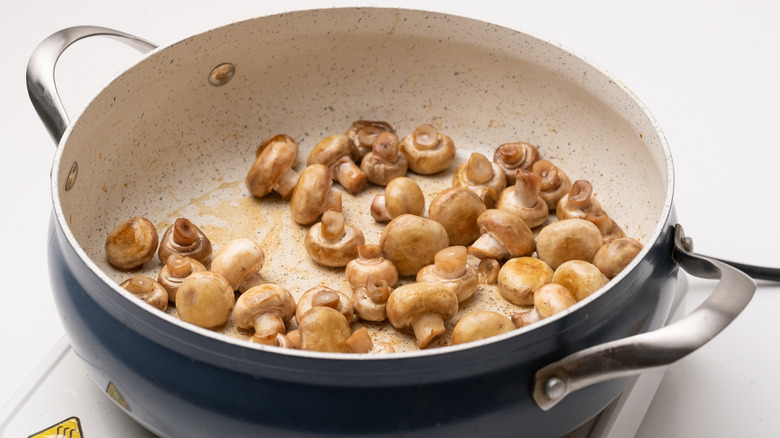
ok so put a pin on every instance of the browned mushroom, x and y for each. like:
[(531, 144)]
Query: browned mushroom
[(147, 290), (324, 296), (568, 239), (411, 242), (313, 195), (503, 235), (266, 310), (520, 277), (480, 325), (615, 255), (424, 307), (363, 133), (332, 242), (581, 203), (450, 267), (551, 299), (523, 200), (338, 153), (131, 243), (525, 318), (370, 262), (555, 183), (370, 298), (238, 260), (513, 156), (402, 196), (580, 278), (457, 209), (273, 168), (427, 150), (324, 329), (205, 299), (185, 239), (486, 179), (176, 269), (487, 271), (385, 161)]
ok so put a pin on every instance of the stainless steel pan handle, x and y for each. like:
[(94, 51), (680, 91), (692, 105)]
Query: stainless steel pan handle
[(41, 85), (635, 354)]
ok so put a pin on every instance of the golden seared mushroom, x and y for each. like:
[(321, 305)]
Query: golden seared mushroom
[(457, 209), (487, 271), (360, 341), (551, 299), (147, 290), (185, 239), (370, 262), (370, 298), (568, 239), (580, 278), (385, 161), (205, 299), (131, 243), (520, 277), (525, 318), (424, 307), (503, 235), (325, 297), (402, 196), (266, 310), (238, 260), (615, 255), (480, 325), (363, 133), (450, 267), (324, 329), (411, 242), (523, 200), (486, 179), (176, 269), (273, 169), (555, 183), (427, 150), (332, 242), (513, 156), (338, 153), (313, 195)]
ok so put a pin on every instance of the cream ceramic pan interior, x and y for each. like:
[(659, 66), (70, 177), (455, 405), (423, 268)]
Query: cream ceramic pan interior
[(161, 142)]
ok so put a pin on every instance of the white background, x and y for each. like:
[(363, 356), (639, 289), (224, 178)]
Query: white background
[(708, 71)]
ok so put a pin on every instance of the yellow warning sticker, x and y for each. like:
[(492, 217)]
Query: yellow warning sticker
[(69, 428)]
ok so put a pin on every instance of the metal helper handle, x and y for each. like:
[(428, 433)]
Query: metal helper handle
[(41, 85), (635, 354)]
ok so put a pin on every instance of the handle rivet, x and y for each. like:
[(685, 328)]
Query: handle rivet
[(71, 180), (555, 388), (222, 74)]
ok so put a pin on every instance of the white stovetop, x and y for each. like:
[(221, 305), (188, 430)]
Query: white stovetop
[(708, 71)]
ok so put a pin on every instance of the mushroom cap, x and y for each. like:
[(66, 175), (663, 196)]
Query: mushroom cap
[(555, 183), (385, 161), (414, 299), (411, 242), (568, 239), (508, 230), (479, 325), (324, 329), (457, 209), (131, 243), (615, 255), (370, 262), (402, 196), (520, 277), (186, 239), (176, 269), (310, 198), (324, 296), (370, 299), (578, 202), (147, 290), (516, 155), (363, 133), (333, 251), (551, 299), (266, 298), (580, 278), (427, 150), (237, 260), (331, 149), (523, 199), (205, 299), (278, 154)]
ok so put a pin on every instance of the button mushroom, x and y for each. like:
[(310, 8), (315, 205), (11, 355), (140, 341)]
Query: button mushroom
[(450, 267), (324, 329), (370, 298), (176, 269), (480, 325), (520, 277), (484, 178), (238, 260), (363, 133), (411, 242), (424, 307), (551, 299), (503, 235), (313, 195), (427, 150), (186, 239), (332, 242), (513, 156), (525, 318), (457, 209), (147, 290), (580, 278), (555, 183), (205, 299), (370, 262), (568, 239), (614, 256), (385, 161), (487, 271), (338, 153), (523, 199), (581, 203), (273, 169), (131, 243), (266, 310), (326, 297), (402, 196)]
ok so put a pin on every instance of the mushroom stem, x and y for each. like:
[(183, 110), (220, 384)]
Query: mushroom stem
[(349, 175), (451, 262), (427, 327), (488, 246), (426, 136), (178, 266), (267, 326), (333, 200), (377, 289), (527, 187), (551, 179), (326, 298), (379, 209), (138, 285), (184, 233), (369, 253), (580, 194), (332, 225), (286, 183), (479, 170)]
